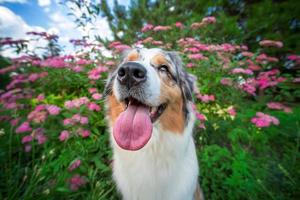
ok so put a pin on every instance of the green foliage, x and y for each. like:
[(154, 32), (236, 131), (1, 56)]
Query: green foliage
[(238, 158)]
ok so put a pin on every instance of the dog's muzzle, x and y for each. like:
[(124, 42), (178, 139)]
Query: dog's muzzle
[(131, 74)]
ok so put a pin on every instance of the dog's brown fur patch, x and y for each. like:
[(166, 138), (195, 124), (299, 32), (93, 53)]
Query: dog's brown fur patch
[(133, 56), (114, 108), (159, 59), (172, 118)]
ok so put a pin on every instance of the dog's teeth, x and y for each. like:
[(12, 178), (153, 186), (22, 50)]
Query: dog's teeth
[(153, 110)]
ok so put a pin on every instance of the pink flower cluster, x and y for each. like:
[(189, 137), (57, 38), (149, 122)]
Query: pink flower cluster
[(231, 111), (76, 103), (226, 81), (162, 28), (95, 73), (77, 118), (263, 120), (295, 58), (147, 27), (18, 80), (194, 46), (242, 71), (271, 43), (205, 98), (40, 113), (44, 35), (197, 56), (76, 182), (201, 117), (37, 134), (279, 106), (10, 41), (9, 99), (249, 86), (56, 62), (247, 54), (118, 46), (179, 25), (24, 127), (64, 135), (269, 79), (74, 165), (264, 59), (205, 21)]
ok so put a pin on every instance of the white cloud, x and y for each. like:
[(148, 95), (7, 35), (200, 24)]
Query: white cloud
[(12, 25), (13, 1), (44, 3)]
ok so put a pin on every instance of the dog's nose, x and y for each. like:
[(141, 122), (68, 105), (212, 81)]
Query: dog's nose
[(132, 73)]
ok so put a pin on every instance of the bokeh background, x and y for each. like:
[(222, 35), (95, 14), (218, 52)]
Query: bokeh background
[(55, 58)]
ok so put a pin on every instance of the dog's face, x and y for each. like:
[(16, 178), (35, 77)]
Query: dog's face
[(148, 88)]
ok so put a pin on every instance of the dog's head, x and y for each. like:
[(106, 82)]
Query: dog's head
[(148, 88)]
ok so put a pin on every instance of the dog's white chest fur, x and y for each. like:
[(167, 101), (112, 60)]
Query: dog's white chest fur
[(166, 168)]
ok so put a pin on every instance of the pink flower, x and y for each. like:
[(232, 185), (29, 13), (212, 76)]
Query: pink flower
[(249, 88), (64, 135), (206, 98), (92, 90), (27, 148), (26, 139), (85, 133), (293, 57), (247, 54), (162, 28), (40, 97), (69, 104), (41, 138), (77, 68), (24, 127), (179, 25), (279, 106), (241, 71), (67, 122), (264, 120), (190, 65), (147, 27), (37, 116), (14, 122), (74, 165), (96, 96), (209, 20), (95, 73), (200, 116), (33, 77), (197, 56), (231, 111), (53, 110), (84, 120), (271, 43), (76, 182), (226, 81), (93, 107)]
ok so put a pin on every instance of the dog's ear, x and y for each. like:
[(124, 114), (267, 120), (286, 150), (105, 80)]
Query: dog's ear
[(186, 81)]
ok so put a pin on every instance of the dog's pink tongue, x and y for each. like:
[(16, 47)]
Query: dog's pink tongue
[(133, 128)]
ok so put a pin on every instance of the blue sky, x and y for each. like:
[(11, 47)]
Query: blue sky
[(20, 16)]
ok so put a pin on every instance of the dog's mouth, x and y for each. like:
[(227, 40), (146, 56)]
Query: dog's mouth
[(154, 111), (133, 127)]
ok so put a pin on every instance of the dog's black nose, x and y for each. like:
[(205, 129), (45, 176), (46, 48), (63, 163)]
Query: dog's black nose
[(131, 73)]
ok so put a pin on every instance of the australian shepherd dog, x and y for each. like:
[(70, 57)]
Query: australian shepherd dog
[(151, 119)]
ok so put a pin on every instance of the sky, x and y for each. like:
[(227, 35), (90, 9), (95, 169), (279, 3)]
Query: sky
[(20, 16)]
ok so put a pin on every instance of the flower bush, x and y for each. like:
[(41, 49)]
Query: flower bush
[(54, 140)]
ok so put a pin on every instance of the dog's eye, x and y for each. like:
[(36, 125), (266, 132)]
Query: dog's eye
[(163, 68)]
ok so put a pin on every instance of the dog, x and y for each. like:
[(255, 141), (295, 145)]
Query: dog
[(150, 116)]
